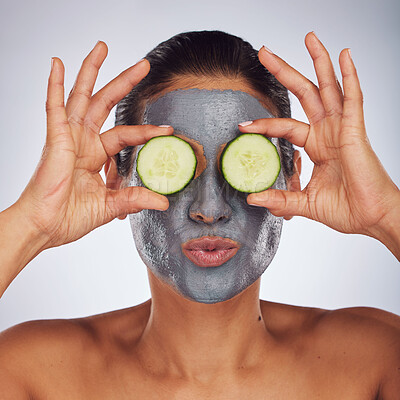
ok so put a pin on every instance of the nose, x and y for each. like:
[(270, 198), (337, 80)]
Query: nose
[(209, 205)]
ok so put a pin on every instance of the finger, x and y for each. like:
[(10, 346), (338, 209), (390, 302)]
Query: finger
[(281, 203), (105, 99), (121, 136), (57, 122), (330, 92), (81, 93), (353, 114), (294, 131), (132, 200), (300, 86)]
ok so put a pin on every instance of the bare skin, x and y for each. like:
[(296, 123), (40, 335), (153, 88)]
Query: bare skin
[(173, 348), (149, 353)]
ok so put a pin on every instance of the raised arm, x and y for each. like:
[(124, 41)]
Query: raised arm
[(66, 197)]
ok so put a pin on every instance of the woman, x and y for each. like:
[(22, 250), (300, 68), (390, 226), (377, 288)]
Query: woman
[(204, 333)]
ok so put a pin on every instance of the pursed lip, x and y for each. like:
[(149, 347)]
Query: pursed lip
[(210, 251)]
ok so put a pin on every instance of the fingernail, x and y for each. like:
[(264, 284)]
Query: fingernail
[(313, 32), (52, 64), (254, 204), (349, 51), (140, 61), (267, 50), (161, 209), (164, 126), (258, 198), (246, 123)]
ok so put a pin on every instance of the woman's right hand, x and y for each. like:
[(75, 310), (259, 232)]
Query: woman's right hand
[(349, 190), (66, 198)]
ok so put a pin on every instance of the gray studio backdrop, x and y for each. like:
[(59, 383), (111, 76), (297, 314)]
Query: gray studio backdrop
[(315, 266)]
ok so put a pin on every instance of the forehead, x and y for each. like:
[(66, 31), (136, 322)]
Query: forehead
[(205, 115)]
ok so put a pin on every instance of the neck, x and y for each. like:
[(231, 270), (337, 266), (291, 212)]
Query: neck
[(199, 341)]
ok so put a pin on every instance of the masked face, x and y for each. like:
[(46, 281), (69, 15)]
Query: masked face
[(208, 206)]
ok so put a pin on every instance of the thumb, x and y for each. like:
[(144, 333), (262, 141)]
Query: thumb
[(131, 200), (281, 203)]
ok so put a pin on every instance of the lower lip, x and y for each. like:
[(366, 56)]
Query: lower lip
[(214, 258)]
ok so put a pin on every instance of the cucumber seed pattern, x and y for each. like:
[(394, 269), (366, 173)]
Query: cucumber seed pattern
[(166, 163), (253, 163)]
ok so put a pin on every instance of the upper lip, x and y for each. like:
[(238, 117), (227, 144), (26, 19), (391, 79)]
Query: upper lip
[(210, 243)]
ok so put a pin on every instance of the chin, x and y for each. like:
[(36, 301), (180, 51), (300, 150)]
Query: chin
[(211, 299), (212, 292)]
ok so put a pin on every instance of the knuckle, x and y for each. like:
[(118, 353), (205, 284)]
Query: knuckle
[(305, 89), (316, 117), (91, 125), (51, 106), (48, 106), (347, 98), (132, 196), (361, 97), (75, 119), (330, 112), (107, 101), (277, 213), (323, 85), (284, 201), (121, 139), (80, 89), (358, 97)]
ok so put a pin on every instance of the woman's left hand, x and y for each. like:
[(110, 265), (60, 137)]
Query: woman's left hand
[(349, 190)]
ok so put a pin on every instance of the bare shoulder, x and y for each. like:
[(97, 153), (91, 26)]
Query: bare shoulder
[(377, 327), (364, 329), (30, 352), (363, 341), (35, 355), (372, 337)]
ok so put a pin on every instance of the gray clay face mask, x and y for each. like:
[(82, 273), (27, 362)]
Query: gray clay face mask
[(209, 117)]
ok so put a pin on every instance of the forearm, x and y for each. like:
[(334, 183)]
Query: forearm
[(19, 244)]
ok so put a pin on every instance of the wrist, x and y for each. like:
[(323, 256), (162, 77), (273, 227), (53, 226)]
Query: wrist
[(26, 229), (387, 231), (20, 242)]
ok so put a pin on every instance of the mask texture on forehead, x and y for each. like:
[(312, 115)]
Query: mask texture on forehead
[(211, 118), (204, 110)]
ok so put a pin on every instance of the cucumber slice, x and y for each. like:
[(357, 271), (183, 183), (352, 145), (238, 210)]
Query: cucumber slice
[(250, 163), (166, 164)]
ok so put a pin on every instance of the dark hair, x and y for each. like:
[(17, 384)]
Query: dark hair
[(202, 54)]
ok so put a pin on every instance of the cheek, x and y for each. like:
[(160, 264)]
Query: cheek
[(259, 232), (267, 241), (149, 230), (153, 242)]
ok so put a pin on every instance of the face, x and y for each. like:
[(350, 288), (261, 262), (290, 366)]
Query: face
[(208, 206)]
